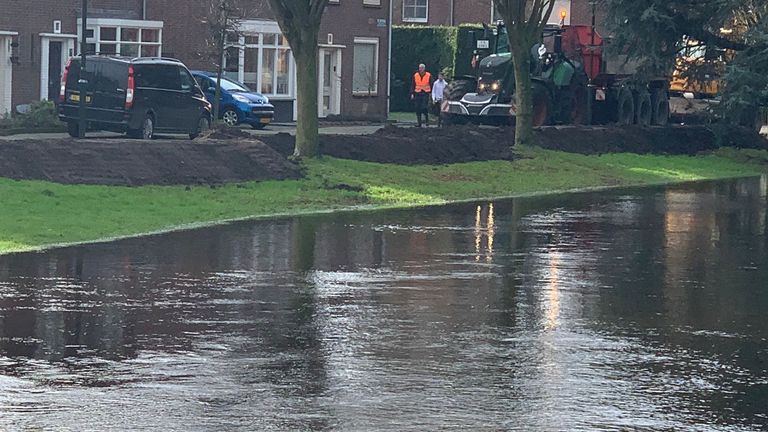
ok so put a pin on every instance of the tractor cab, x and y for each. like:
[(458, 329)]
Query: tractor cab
[(550, 69)]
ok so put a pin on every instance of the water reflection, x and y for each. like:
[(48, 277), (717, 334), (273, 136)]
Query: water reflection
[(611, 311)]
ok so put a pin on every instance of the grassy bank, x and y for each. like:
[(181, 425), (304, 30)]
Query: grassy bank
[(35, 214)]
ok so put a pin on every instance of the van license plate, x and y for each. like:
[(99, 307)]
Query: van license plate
[(265, 120), (76, 98)]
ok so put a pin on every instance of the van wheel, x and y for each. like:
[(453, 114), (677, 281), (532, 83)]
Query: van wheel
[(148, 128), (73, 129), (230, 117), (202, 125)]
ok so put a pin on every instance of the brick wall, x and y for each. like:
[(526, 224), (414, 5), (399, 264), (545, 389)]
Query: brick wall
[(29, 22), (185, 37), (439, 12)]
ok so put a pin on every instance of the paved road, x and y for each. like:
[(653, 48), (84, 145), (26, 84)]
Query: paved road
[(270, 130)]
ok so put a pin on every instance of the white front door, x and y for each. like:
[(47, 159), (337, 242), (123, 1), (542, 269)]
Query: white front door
[(6, 78), (55, 51), (329, 80)]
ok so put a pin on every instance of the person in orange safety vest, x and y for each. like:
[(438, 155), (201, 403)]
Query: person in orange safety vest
[(421, 89)]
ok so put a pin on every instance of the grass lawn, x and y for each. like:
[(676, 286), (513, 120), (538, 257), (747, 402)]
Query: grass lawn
[(35, 214), (408, 117)]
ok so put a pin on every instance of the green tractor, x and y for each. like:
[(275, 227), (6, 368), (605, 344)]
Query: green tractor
[(571, 84)]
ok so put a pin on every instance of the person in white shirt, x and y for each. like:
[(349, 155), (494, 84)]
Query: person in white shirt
[(437, 96)]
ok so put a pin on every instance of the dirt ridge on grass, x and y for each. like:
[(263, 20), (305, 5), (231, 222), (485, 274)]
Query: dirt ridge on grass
[(126, 162), (456, 144)]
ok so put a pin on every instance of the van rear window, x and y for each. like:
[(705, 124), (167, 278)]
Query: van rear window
[(101, 75)]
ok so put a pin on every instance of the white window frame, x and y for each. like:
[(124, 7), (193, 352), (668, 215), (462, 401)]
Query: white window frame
[(413, 19), (258, 28), (96, 24), (367, 41), (371, 2)]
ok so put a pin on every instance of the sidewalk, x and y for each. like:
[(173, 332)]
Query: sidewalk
[(272, 129)]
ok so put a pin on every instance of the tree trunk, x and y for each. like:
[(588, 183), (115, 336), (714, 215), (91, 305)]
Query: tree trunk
[(521, 63), (306, 99)]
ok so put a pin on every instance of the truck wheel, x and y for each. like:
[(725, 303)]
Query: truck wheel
[(643, 108), (625, 107), (752, 119), (660, 105), (542, 105)]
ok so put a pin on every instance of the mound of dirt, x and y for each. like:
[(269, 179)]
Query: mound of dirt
[(470, 143), (674, 140), (410, 146), (127, 162)]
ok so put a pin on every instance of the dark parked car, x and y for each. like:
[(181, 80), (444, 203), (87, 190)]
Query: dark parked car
[(239, 104), (138, 96)]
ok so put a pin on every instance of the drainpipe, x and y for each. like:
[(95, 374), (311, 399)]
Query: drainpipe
[(389, 60), (453, 7), (144, 10)]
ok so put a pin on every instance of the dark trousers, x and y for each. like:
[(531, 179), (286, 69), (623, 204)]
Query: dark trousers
[(421, 100), (436, 111)]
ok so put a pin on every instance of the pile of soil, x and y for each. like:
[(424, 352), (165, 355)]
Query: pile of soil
[(674, 140), (127, 162), (471, 143), (411, 146)]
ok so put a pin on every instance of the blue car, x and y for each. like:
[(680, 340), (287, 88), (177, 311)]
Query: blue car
[(239, 104)]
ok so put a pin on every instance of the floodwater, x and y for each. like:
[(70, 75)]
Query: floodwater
[(641, 309)]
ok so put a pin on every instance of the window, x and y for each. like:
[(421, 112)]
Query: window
[(267, 63), (372, 2), (130, 38), (165, 77), (365, 73), (415, 10)]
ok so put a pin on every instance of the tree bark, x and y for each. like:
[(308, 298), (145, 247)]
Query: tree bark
[(521, 64), (307, 136)]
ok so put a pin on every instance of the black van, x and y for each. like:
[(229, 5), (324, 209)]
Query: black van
[(139, 96)]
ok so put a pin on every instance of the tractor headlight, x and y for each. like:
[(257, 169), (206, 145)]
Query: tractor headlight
[(481, 87), (495, 86)]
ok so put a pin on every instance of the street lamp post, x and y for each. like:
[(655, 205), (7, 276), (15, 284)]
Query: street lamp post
[(82, 81)]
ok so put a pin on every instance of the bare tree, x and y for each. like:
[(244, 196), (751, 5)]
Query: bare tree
[(525, 21), (299, 21), (223, 20)]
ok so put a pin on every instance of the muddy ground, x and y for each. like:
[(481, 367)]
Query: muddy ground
[(469, 143), (235, 156), (128, 162)]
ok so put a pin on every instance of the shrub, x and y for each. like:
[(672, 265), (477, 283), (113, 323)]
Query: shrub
[(41, 114)]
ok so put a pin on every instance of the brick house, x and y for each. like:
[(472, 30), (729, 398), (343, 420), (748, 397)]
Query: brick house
[(456, 12), (35, 44)]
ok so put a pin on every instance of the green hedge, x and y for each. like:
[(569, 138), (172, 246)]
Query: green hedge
[(435, 46), (442, 48)]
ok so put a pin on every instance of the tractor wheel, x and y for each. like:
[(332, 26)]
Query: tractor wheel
[(643, 108), (542, 106), (660, 108), (579, 108), (625, 107), (454, 91)]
